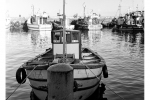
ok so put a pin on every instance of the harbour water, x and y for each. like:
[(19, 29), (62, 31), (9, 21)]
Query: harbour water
[(122, 51)]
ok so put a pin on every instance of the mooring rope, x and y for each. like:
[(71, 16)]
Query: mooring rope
[(20, 84), (115, 92), (101, 80)]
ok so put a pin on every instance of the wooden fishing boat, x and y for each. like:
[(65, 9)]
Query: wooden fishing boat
[(87, 65), (37, 22), (84, 61), (94, 23), (40, 27), (80, 24)]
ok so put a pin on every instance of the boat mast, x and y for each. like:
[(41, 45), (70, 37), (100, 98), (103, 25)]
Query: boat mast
[(33, 9), (119, 10), (133, 5), (84, 9), (137, 8), (64, 33)]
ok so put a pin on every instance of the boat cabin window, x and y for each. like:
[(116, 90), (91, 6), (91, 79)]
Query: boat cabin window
[(71, 37), (56, 37), (68, 37), (75, 37)]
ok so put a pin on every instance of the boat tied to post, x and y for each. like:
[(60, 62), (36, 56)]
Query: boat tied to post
[(82, 66), (84, 62)]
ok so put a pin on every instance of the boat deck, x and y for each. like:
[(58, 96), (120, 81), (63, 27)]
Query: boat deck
[(46, 59)]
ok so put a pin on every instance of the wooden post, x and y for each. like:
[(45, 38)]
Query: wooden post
[(60, 82)]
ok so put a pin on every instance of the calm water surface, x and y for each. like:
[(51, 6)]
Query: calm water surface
[(122, 51)]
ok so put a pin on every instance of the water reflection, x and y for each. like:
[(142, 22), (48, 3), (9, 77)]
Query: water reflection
[(90, 38), (41, 39), (132, 37), (131, 42), (122, 51), (84, 35)]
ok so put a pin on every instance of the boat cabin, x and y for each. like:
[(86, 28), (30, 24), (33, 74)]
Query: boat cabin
[(39, 19), (120, 21), (73, 42)]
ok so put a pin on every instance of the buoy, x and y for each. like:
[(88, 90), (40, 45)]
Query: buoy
[(60, 82), (21, 75), (105, 71)]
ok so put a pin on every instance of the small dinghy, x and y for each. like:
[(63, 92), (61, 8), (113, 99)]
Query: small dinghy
[(87, 66)]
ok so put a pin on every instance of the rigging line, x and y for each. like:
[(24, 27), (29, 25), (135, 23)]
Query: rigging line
[(20, 84), (90, 70), (99, 80), (114, 92)]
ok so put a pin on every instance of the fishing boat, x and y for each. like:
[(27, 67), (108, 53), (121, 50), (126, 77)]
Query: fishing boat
[(80, 24), (94, 23), (88, 66), (37, 22), (130, 22), (77, 57)]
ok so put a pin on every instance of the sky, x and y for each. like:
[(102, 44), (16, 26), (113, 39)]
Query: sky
[(52, 7)]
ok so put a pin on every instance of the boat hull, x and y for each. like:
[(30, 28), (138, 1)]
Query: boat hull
[(86, 81), (128, 28), (77, 95), (40, 27), (95, 27)]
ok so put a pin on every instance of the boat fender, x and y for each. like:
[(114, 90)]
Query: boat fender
[(105, 71), (75, 86), (21, 75)]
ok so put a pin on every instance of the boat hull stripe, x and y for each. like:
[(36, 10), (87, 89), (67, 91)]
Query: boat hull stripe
[(79, 89), (45, 80), (75, 66)]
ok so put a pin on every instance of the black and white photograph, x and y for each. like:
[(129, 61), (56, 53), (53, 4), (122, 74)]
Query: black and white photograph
[(74, 50)]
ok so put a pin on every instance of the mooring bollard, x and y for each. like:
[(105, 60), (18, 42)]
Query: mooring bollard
[(60, 82)]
